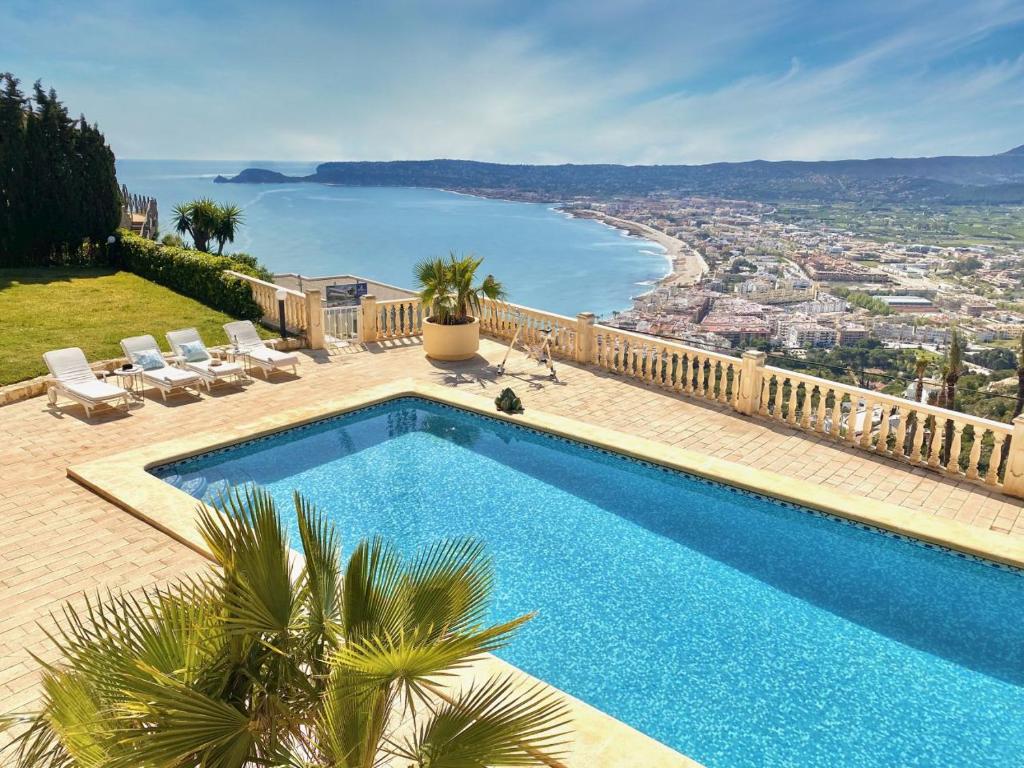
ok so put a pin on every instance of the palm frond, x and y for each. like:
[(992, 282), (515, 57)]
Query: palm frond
[(447, 287), (35, 743), (352, 724), (78, 719), (321, 577), (492, 289), (171, 722), (494, 724), (374, 601), (418, 662), (182, 218), (449, 586), (246, 537)]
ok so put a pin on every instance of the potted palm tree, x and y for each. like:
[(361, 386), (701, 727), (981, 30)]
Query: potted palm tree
[(265, 661), (451, 298)]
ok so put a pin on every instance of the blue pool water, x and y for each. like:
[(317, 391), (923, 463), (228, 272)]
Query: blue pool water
[(736, 629)]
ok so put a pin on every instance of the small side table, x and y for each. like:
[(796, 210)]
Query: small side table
[(239, 356), (131, 379)]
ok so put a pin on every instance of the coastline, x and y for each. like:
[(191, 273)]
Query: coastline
[(687, 265)]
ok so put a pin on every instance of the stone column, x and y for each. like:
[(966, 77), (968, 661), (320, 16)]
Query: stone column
[(368, 324), (585, 338), (315, 320), (1013, 480), (751, 372)]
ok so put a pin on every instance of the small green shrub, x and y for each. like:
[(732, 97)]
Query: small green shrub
[(191, 273), (250, 265)]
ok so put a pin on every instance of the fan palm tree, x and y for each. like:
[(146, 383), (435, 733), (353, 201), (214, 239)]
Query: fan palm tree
[(449, 290), (229, 218), (268, 661), (199, 220)]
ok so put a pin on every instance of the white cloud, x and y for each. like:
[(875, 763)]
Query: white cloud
[(571, 82)]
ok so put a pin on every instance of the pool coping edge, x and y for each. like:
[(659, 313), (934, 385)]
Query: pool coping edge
[(124, 479)]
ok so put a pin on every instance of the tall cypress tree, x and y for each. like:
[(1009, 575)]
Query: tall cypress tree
[(12, 165), (58, 186)]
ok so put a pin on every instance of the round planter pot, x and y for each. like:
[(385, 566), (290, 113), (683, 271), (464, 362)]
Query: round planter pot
[(451, 342)]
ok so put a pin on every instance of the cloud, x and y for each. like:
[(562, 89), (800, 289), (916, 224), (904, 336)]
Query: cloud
[(594, 81)]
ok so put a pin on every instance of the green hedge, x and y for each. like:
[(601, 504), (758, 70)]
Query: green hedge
[(191, 273)]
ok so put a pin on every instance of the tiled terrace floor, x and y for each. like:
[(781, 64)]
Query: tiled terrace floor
[(58, 540)]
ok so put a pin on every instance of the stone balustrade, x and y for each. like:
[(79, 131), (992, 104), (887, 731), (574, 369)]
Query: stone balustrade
[(959, 445), (296, 312), (686, 370), (388, 320), (501, 319)]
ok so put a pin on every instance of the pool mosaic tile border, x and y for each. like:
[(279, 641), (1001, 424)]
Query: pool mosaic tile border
[(164, 469)]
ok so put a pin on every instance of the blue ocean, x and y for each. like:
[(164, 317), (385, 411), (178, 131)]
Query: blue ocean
[(546, 259)]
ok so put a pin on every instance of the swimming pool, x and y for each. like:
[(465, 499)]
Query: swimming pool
[(736, 629)]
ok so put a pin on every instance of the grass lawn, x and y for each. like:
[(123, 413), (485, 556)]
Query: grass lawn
[(44, 309)]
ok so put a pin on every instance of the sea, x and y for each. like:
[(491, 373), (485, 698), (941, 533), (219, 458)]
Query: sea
[(545, 258)]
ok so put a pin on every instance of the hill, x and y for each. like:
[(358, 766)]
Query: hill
[(952, 179)]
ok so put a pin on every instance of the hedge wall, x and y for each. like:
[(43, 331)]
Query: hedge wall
[(191, 273)]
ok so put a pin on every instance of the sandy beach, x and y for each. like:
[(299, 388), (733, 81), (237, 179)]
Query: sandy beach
[(688, 266)]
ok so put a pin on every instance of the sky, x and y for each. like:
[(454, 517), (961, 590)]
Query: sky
[(580, 81)]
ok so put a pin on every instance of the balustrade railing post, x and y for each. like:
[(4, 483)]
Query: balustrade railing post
[(1013, 480), (315, 321), (585, 338), (751, 374), (368, 326)]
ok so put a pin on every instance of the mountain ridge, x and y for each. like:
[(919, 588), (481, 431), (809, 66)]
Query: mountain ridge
[(954, 179)]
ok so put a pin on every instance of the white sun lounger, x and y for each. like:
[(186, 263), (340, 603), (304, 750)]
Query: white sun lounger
[(244, 336), (73, 378), (210, 370), (143, 350)]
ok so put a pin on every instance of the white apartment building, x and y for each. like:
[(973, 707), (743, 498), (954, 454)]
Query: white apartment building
[(808, 336)]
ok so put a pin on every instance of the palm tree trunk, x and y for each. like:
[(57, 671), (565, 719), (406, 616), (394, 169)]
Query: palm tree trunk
[(947, 435), (1018, 408)]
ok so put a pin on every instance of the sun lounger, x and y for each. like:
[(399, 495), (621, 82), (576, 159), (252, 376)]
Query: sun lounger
[(245, 338), (191, 354), (73, 378), (144, 352)]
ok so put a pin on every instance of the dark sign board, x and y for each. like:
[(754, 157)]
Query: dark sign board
[(345, 294)]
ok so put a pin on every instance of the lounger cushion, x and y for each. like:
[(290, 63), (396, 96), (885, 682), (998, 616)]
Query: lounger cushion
[(272, 356), (171, 377), (94, 390), (204, 368), (148, 359), (194, 352)]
